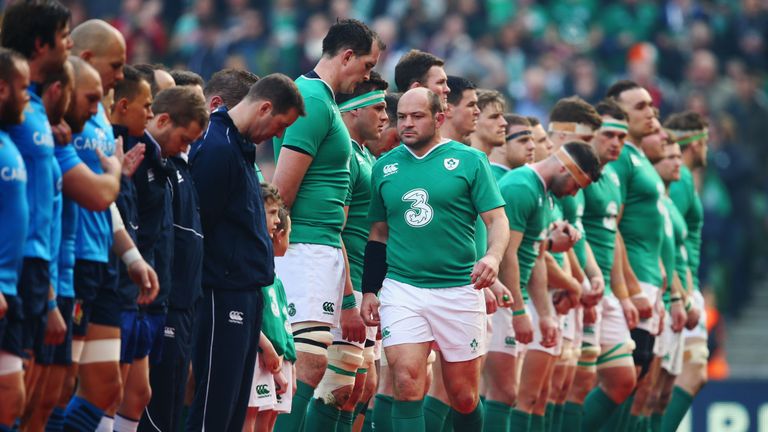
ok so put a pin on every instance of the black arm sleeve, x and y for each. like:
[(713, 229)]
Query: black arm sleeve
[(374, 266)]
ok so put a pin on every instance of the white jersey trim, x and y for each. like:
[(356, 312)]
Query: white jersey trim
[(443, 141)]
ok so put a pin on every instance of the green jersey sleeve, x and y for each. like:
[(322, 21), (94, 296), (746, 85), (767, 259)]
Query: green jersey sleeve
[(485, 191), (307, 133), (524, 206), (377, 212), (354, 174), (623, 169)]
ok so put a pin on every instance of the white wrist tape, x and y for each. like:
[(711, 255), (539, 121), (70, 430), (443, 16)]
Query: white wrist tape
[(131, 256), (586, 286), (117, 221)]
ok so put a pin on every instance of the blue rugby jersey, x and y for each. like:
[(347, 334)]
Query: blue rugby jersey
[(94, 229), (67, 158), (34, 140), (14, 214)]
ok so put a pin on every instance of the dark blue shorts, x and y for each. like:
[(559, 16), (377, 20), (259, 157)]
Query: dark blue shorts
[(12, 327), (60, 354), (34, 284), (140, 334), (96, 296)]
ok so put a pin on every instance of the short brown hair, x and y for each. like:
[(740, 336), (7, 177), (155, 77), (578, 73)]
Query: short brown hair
[(281, 91), (231, 85), (585, 157), (516, 120), (609, 107), (269, 193), (413, 67), (686, 121), (577, 110), (183, 104), (486, 97)]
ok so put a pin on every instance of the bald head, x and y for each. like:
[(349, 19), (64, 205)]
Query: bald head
[(419, 117), (103, 47), (422, 96), (86, 95)]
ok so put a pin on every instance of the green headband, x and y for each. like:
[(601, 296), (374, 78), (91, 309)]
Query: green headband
[(697, 135), (362, 101), (617, 126)]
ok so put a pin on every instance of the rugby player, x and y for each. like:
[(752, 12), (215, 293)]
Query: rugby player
[(312, 175), (413, 186)]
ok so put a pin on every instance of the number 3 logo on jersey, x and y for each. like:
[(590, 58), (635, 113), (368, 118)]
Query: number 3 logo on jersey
[(420, 214)]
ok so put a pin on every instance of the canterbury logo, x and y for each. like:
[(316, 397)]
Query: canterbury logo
[(390, 169), (262, 390), (169, 332), (328, 307), (235, 317)]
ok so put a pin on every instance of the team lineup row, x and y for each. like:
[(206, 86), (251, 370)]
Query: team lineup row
[(516, 278)]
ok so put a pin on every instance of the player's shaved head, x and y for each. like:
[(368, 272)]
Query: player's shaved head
[(96, 36), (103, 46), (417, 94), (86, 96), (82, 70)]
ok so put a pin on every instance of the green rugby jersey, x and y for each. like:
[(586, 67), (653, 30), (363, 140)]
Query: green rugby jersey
[(274, 322), (602, 200), (686, 199), (430, 205), (555, 215), (681, 235), (481, 238), (641, 191), (317, 214), (498, 171), (355, 234), (524, 191), (674, 240), (481, 232), (573, 212)]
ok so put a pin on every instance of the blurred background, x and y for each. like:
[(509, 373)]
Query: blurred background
[(708, 56)]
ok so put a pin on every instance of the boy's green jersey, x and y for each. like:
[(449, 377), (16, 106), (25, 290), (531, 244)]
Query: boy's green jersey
[(274, 322)]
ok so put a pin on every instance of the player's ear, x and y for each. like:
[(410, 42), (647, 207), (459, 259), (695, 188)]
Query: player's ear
[(346, 56), (216, 102), (440, 119)]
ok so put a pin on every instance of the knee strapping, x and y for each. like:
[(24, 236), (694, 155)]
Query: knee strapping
[(100, 350), (619, 355), (588, 357), (567, 354), (343, 363), (696, 353), (369, 354), (312, 337), (9, 363), (77, 349)]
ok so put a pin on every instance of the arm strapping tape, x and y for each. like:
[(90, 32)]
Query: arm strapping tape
[(374, 266)]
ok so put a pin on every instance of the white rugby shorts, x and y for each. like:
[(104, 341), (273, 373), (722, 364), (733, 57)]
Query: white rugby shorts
[(454, 318), (313, 277)]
